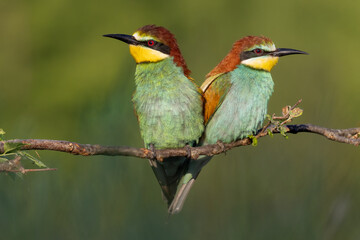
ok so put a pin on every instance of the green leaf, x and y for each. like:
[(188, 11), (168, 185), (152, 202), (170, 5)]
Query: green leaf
[(296, 112), (268, 116), (253, 140), (14, 150), (283, 131), (33, 159), (270, 133), (11, 147), (2, 133)]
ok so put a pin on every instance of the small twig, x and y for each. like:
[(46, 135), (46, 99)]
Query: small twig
[(265, 128), (286, 116), (32, 170)]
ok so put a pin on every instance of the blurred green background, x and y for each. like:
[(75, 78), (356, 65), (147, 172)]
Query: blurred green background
[(60, 79)]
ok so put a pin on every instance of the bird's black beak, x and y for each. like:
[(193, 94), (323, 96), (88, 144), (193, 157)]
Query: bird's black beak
[(286, 51), (129, 39)]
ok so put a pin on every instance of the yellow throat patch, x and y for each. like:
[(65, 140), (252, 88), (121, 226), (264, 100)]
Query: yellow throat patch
[(262, 63), (144, 54)]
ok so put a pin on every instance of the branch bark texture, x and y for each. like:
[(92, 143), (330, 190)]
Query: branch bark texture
[(349, 136)]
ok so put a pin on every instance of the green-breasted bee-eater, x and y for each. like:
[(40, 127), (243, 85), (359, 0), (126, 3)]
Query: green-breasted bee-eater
[(236, 95), (168, 104)]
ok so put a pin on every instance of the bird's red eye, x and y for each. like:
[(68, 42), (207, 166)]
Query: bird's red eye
[(258, 51), (150, 43)]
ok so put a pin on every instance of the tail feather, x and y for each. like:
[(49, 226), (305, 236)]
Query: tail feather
[(187, 181), (178, 202), (168, 175)]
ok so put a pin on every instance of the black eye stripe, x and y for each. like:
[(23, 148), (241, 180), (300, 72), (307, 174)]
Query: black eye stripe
[(252, 53), (156, 46)]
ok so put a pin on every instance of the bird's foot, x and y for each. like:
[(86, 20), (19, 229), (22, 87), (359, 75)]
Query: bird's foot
[(153, 151), (221, 145), (188, 150)]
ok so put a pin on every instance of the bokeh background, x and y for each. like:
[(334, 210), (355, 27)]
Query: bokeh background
[(60, 79)]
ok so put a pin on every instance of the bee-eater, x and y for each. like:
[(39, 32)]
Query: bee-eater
[(168, 104), (236, 95)]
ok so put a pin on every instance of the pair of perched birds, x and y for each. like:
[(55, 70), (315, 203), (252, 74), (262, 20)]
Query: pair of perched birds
[(174, 112)]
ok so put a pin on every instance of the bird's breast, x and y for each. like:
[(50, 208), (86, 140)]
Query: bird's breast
[(244, 107), (168, 105)]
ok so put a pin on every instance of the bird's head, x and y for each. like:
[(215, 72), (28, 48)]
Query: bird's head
[(152, 43), (256, 52)]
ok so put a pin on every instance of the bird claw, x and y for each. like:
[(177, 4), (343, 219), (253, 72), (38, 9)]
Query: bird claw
[(153, 151), (188, 150), (221, 145)]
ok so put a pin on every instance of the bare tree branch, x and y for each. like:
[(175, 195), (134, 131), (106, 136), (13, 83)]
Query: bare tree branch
[(349, 136)]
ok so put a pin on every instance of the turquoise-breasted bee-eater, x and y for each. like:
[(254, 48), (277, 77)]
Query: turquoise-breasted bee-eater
[(236, 95), (168, 104)]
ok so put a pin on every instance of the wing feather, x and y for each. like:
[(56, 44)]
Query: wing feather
[(215, 89)]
